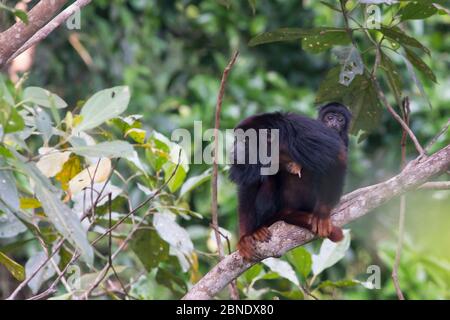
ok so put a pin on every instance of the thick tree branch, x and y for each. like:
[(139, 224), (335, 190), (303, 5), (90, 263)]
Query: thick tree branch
[(352, 206), (14, 38), (50, 27)]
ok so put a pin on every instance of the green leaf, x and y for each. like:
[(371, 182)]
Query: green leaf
[(17, 271), (331, 6), (322, 39), (417, 10), (150, 248), (330, 253), (8, 190), (178, 177), (34, 263), (43, 98), (253, 272), (62, 217), (396, 34), (159, 151), (420, 65), (338, 284), (291, 294), (22, 15), (172, 281), (10, 119), (43, 123), (301, 260), (194, 182), (10, 225), (108, 149), (283, 34), (416, 80), (283, 268), (5, 94), (393, 77), (4, 152), (29, 203), (136, 134), (103, 106)]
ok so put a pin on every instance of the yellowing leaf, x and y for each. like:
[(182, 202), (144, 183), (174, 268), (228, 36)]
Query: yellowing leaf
[(95, 173), (52, 161), (29, 203), (16, 269), (136, 134), (70, 169)]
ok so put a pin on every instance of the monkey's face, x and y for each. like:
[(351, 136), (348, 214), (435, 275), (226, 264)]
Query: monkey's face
[(335, 121)]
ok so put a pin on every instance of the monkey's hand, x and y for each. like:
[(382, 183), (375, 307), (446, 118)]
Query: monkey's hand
[(294, 168), (247, 243)]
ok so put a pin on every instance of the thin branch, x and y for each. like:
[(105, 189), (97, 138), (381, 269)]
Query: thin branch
[(50, 27), (12, 39), (436, 137), (437, 185), (24, 283), (214, 206), (401, 220), (286, 237)]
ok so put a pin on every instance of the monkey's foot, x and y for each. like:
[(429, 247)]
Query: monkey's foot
[(294, 168), (321, 226), (336, 234), (262, 234), (325, 229), (247, 244)]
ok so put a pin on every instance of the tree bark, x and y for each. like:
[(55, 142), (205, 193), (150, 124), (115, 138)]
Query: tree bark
[(14, 37), (352, 206)]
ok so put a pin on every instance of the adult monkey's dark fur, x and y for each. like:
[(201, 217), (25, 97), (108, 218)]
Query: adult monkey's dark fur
[(317, 149)]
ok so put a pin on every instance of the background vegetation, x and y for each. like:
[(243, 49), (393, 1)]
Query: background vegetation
[(170, 56)]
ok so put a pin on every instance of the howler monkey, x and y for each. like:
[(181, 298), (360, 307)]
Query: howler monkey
[(312, 162)]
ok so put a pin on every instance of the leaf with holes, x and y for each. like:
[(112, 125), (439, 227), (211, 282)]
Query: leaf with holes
[(399, 36), (322, 39), (283, 34), (417, 10)]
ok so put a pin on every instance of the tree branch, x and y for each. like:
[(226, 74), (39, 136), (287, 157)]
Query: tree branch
[(49, 27), (14, 37), (352, 206)]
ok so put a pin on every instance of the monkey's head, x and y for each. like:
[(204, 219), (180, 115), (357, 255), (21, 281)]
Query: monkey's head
[(336, 116)]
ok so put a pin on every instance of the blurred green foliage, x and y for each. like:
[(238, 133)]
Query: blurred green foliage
[(171, 55)]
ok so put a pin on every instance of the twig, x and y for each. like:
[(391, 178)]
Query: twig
[(401, 220), (214, 206), (436, 137), (24, 283), (436, 185), (51, 26)]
